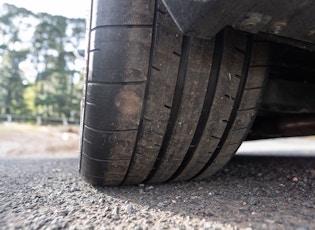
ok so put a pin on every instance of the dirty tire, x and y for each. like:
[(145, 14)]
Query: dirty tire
[(161, 106)]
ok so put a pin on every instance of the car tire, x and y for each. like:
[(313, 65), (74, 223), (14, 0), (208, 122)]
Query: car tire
[(161, 106)]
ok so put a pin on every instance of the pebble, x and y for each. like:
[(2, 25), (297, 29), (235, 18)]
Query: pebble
[(308, 204), (207, 225), (160, 204), (129, 209), (115, 213), (301, 228)]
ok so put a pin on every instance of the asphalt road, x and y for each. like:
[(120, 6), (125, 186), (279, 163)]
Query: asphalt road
[(250, 193)]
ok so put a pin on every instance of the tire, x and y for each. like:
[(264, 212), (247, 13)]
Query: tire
[(160, 106)]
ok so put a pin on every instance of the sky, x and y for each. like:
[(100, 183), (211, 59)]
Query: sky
[(67, 8)]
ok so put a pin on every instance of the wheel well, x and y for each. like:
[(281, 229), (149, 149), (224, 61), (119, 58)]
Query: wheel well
[(288, 104)]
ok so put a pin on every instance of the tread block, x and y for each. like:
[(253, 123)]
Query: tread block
[(111, 172), (250, 98), (122, 56), (256, 77), (122, 12), (113, 107), (108, 145)]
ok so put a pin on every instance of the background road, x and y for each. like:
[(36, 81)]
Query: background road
[(250, 193)]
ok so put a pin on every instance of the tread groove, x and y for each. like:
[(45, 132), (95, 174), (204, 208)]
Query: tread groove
[(161, 11), (229, 97), (254, 88), (116, 83), (179, 88), (128, 26), (203, 119), (238, 129), (156, 68), (177, 54), (146, 119), (146, 91), (236, 105), (243, 110), (109, 131), (94, 50), (216, 137), (88, 141), (99, 160)]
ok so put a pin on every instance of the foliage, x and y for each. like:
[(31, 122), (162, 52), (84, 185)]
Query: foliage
[(40, 72)]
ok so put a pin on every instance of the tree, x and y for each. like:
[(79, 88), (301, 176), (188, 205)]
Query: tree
[(56, 45), (12, 54), (49, 46), (11, 82)]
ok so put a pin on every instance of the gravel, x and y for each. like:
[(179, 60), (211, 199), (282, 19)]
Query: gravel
[(250, 193)]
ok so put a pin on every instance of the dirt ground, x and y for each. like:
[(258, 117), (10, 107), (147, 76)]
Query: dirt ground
[(23, 140)]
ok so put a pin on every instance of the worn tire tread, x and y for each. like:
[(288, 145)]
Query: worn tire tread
[(160, 106)]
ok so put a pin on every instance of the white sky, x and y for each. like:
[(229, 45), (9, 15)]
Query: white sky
[(67, 8)]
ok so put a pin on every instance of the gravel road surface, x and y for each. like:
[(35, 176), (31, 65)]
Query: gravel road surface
[(250, 193)]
